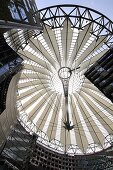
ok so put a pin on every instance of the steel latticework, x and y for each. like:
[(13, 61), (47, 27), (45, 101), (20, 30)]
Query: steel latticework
[(22, 152), (73, 37)]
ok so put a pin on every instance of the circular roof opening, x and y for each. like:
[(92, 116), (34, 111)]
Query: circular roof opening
[(64, 73)]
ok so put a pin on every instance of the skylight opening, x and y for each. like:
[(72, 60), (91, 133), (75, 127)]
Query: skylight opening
[(41, 110), (101, 96), (25, 71), (74, 39), (37, 54), (32, 63), (94, 54), (45, 45), (84, 125), (21, 37), (23, 90), (26, 80), (100, 107), (88, 43), (28, 98), (72, 132), (99, 125), (57, 32), (58, 128), (29, 109), (48, 121)]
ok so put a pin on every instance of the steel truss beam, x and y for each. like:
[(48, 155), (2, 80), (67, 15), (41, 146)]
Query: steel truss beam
[(79, 16)]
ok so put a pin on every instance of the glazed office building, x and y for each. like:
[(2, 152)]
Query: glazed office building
[(56, 85)]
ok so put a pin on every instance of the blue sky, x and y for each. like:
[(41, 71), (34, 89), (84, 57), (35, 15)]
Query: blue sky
[(103, 6)]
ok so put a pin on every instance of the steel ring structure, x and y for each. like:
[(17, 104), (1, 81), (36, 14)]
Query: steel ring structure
[(73, 37)]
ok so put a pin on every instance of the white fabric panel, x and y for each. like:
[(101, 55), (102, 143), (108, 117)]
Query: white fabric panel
[(49, 36), (66, 36)]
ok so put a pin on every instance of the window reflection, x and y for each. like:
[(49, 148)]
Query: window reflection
[(22, 11), (14, 12)]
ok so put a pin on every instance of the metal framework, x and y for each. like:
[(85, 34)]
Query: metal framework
[(21, 151), (73, 37), (80, 16)]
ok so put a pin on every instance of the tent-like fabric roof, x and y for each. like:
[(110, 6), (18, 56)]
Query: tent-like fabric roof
[(73, 39)]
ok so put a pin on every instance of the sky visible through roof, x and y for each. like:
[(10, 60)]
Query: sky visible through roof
[(103, 6)]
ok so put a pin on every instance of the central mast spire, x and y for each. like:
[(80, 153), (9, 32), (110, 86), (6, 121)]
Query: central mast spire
[(65, 75)]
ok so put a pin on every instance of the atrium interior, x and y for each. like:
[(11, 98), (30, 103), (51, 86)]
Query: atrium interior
[(56, 87)]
